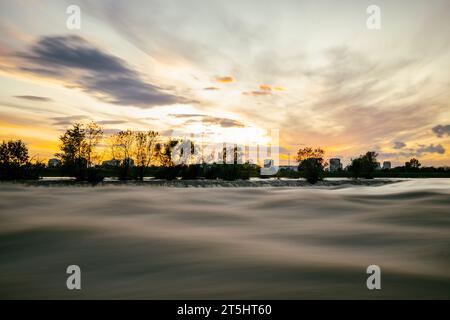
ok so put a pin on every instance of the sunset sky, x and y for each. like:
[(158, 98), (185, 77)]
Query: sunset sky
[(233, 70)]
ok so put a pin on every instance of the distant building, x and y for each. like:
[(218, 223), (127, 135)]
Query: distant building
[(53, 163), (378, 167), (335, 164), (111, 163), (387, 165)]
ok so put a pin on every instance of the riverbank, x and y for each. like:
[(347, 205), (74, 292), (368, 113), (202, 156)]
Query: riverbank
[(201, 183)]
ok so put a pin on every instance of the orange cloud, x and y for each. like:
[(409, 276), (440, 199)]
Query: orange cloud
[(264, 90), (226, 79), (265, 87), (257, 93)]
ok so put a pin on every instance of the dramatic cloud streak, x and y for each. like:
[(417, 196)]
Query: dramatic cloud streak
[(108, 78)]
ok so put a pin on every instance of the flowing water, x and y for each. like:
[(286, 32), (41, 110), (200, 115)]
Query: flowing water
[(166, 243)]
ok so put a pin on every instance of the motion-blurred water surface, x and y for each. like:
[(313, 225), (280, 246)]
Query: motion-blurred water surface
[(156, 242)]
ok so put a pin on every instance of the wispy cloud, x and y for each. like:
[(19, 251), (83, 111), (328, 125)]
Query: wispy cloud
[(264, 90), (68, 120), (223, 122), (34, 98), (106, 77), (257, 93), (419, 151), (441, 130), (399, 145), (107, 122), (209, 120), (430, 149)]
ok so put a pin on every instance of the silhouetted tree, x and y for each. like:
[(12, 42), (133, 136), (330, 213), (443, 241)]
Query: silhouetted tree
[(413, 164), (364, 166), (122, 149), (72, 155), (15, 162), (144, 150), (14, 152), (77, 147), (93, 136), (311, 164)]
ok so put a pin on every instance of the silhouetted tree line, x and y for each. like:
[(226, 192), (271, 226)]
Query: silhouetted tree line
[(144, 153), (312, 168), (138, 154), (414, 169)]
